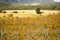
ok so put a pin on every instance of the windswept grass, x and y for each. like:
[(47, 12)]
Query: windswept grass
[(30, 28)]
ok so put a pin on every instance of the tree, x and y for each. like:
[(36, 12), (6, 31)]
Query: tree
[(38, 10)]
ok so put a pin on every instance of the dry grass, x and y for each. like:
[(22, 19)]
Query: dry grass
[(29, 13), (30, 28)]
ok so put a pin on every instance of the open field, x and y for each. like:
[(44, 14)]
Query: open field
[(28, 25), (29, 13)]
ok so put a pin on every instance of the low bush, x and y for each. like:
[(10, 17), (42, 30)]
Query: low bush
[(15, 12)]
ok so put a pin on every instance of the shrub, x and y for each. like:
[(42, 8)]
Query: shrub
[(4, 11), (15, 12), (10, 15), (38, 10)]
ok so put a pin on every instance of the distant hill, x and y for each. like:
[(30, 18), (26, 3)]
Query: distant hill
[(28, 1), (4, 5), (16, 4)]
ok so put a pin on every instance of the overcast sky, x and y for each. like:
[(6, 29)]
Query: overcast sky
[(57, 0)]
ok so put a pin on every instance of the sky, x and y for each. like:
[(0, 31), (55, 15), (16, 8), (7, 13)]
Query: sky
[(57, 0)]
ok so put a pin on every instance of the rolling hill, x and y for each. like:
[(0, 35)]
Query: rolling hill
[(29, 1)]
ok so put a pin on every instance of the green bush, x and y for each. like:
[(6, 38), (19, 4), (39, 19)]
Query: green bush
[(38, 10), (15, 12), (4, 11)]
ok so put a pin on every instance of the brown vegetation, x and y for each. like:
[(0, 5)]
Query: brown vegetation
[(31, 28)]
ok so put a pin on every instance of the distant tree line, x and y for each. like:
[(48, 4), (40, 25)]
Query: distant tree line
[(54, 6)]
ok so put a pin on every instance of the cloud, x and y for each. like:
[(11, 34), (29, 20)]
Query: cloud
[(57, 0)]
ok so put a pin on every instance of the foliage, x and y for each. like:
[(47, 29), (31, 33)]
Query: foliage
[(7, 6), (15, 12), (4, 12), (38, 10)]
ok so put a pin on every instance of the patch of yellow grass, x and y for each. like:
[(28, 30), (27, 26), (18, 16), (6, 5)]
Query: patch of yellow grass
[(29, 13)]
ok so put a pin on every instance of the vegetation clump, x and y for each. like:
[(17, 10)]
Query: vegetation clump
[(15, 12), (38, 11), (4, 12)]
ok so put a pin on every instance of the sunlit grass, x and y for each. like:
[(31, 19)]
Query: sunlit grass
[(40, 27)]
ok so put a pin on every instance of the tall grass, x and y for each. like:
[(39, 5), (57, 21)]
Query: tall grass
[(35, 28)]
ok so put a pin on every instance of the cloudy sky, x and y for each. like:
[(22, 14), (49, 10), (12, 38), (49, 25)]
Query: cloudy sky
[(57, 0)]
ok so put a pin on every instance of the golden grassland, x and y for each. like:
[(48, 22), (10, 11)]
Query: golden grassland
[(29, 13), (38, 27)]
